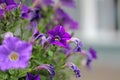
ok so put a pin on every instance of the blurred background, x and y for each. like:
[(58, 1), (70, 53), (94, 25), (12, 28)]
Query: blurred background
[(99, 22)]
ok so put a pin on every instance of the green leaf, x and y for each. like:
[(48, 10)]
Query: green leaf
[(43, 77), (11, 72), (50, 53), (3, 76), (13, 78)]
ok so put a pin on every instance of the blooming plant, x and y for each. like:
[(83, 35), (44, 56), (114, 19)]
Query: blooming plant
[(35, 42)]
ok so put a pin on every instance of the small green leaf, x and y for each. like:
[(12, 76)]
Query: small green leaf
[(50, 53)]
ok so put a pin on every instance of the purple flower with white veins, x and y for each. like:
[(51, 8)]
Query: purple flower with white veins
[(14, 53), (77, 47), (59, 36), (32, 77), (49, 67), (78, 44), (74, 68), (38, 36)]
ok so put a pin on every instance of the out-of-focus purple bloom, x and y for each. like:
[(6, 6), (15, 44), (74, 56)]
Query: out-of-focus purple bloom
[(14, 53), (25, 11), (35, 15), (1, 12), (2, 1), (32, 77), (43, 2), (64, 19), (90, 56), (48, 25), (74, 68), (10, 4), (88, 62), (93, 53), (33, 24), (69, 3), (58, 36), (47, 2), (48, 67)]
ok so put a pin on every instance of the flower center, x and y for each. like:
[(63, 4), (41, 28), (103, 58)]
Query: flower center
[(57, 38), (13, 56)]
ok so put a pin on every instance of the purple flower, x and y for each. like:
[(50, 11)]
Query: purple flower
[(64, 19), (43, 2), (38, 36), (14, 53), (78, 45), (10, 4), (1, 12), (35, 15), (74, 68), (25, 11), (47, 2), (69, 3), (33, 24), (32, 77), (2, 1), (90, 56), (49, 67), (74, 45), (93, 53), (88, 63), (58, 36)]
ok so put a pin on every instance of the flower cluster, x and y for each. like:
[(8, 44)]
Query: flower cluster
[(35, 42)]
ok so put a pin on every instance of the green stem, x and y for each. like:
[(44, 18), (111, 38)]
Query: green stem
[(21, 31)]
